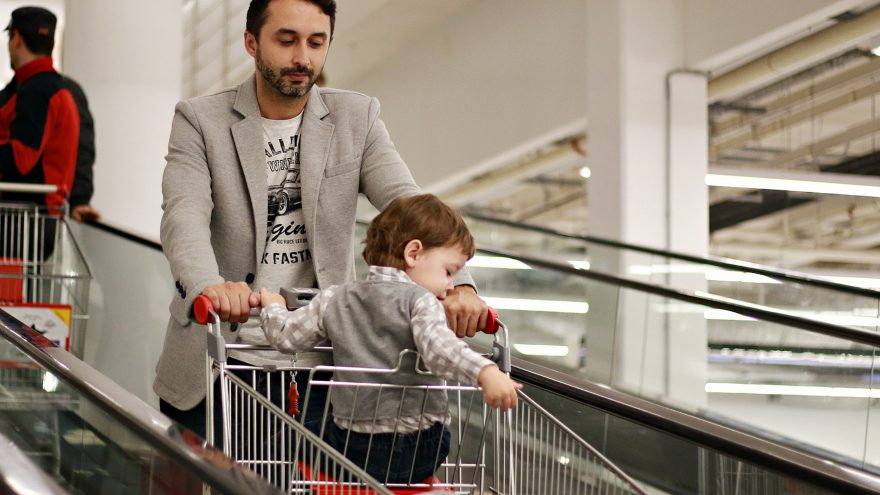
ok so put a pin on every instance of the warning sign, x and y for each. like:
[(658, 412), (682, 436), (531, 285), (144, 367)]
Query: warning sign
[(51, 320)]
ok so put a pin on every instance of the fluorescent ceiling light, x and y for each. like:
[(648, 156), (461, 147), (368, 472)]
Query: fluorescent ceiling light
[(711, 273), (497, 262), (832, 317), (542, 350), (547, 306), (512, 264), (742, 277), (50, 382), (863, 282), (824, 183), (795, 390)]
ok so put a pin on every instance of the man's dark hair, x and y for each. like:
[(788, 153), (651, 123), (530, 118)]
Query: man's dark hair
[(37, 44), (258, 12)]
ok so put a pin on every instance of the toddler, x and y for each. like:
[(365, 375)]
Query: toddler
[(413, 248)]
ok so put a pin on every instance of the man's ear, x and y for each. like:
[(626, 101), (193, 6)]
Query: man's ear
[(250, 43), (411, 252)]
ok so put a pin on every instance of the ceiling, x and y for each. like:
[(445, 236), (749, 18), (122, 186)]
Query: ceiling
[(821, 119)]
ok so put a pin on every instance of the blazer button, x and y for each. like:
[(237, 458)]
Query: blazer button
[(233, 327), (177, 284), (249, 278), (182, 295)]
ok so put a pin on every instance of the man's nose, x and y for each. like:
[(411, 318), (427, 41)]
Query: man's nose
[(300, 57)]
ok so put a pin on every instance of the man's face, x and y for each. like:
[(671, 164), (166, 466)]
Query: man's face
[(292, 46)]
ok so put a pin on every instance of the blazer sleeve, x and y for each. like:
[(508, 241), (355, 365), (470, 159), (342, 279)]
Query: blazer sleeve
[(187, 207), (385, 176)]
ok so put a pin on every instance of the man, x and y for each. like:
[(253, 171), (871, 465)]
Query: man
[(39, 121), (260, 190)]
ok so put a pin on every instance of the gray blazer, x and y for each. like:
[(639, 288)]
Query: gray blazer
[(215, 204)]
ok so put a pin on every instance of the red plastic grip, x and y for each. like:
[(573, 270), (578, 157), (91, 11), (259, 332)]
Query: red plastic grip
[(491, 322), (202, 307)]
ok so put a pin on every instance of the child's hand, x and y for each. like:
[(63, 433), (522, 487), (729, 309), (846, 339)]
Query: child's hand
[(498, 389), (267, 298)]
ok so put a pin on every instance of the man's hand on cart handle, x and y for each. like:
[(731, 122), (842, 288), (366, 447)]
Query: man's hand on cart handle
[(466, 313), (232, 300)]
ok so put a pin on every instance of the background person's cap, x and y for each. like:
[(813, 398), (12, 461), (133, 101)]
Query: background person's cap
[(33, 20)]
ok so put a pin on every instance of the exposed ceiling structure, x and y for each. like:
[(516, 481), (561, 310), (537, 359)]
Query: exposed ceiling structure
[(819, 120)]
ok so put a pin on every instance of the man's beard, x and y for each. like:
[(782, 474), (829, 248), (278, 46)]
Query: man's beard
[(278, 82)]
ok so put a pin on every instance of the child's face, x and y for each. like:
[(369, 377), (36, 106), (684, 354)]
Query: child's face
[(433, 268)]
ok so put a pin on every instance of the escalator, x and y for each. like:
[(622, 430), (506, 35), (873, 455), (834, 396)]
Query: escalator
[(622, 362)]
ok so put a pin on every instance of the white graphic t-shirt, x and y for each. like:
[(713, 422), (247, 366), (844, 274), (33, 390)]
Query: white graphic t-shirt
[(287, 260)]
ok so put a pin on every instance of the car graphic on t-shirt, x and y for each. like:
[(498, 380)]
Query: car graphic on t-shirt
[(284, 197)]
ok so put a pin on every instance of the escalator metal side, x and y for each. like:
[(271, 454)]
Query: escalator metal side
[(20, 475), (152, 426)]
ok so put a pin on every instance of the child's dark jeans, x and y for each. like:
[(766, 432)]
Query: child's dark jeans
[(394, 457)]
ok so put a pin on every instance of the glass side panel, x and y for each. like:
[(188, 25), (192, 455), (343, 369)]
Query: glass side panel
[(663, 462), (808, 301), (83, 448)]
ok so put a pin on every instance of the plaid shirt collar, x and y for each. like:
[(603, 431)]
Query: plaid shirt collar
[(388, 274)]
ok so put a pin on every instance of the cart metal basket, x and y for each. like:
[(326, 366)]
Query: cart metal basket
[(522, 451), (44, 278)]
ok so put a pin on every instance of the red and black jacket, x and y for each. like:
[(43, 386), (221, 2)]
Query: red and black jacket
[(39, 131)]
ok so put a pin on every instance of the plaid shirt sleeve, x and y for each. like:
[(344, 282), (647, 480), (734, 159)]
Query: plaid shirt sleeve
[(299, 330), (443, 353)]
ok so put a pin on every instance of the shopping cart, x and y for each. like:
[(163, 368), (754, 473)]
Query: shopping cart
[(522, 451), (44, 278)]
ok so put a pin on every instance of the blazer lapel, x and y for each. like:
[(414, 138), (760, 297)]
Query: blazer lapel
[(248, 137), (314, 151)]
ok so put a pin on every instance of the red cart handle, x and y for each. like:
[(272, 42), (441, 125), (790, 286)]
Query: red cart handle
[(492, 322), (202, 308)]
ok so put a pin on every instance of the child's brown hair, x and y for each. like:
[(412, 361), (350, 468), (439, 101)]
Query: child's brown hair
[(423, 217)]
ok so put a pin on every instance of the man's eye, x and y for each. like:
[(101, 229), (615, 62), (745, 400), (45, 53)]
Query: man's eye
[(316, 44)]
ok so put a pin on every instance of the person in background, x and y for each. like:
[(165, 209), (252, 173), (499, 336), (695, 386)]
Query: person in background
[(413, 248), (260, 189), (39, 131), (39, 121)]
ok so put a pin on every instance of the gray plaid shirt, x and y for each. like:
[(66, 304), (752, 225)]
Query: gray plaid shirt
[(442, 352)]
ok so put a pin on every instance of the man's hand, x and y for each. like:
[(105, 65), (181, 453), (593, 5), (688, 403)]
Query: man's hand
[(465, 311), (85, 213), (232, 300)]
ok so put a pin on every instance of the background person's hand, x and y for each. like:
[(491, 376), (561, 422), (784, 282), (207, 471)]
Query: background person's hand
[(232, 300), (85, 213), (465, 311)]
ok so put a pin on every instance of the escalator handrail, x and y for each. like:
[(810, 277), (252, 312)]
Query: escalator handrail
[(708, 300), (758, 451), (152, 426), (726, 263)]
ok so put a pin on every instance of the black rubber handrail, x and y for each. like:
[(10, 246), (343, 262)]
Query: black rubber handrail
[(726, 263), (154, 428), (758, 451)]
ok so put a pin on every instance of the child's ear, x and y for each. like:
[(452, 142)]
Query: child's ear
[(411, 252)]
